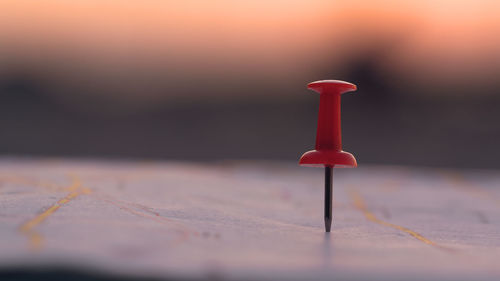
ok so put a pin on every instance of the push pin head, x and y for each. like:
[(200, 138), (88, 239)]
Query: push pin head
[(328, 151)]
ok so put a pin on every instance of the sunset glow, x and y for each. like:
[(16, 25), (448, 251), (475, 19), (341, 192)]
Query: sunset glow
[(268, 40)]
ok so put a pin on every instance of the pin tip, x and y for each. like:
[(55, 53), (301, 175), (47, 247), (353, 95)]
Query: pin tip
[(328, 225)]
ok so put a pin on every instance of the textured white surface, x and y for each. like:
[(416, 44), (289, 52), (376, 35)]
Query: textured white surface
[(249, 220)]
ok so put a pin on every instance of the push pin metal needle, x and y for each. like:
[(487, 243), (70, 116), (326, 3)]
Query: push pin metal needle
[(328, 150)]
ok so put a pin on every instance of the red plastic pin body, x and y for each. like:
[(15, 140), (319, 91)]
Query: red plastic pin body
[(328, 151)]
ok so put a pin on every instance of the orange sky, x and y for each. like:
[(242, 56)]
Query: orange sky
[(437, 40)]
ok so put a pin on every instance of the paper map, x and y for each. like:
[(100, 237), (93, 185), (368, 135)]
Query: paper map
[(249, 220)]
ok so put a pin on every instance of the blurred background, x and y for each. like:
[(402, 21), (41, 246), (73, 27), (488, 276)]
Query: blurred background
[(214, 80)]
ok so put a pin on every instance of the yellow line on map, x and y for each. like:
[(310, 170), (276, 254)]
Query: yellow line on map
[(359, 204), (26, 181), (28, 228)]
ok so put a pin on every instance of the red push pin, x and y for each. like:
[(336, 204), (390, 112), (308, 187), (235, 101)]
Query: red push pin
[(328, 150)]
